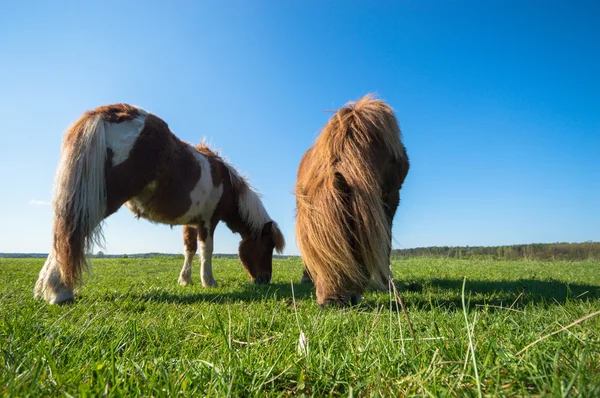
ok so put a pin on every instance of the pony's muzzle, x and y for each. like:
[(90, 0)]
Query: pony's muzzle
[(262, 279), (335, 301)]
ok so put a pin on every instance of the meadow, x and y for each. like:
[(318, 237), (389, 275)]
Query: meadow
[(515, 329)]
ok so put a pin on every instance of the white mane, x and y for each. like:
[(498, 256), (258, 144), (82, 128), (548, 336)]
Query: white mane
[(249, 204)]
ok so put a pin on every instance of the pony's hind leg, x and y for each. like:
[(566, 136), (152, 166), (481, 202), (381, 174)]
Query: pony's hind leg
[(50, 286), (190, 236)]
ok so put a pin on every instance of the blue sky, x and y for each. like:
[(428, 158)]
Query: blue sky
[(498, 101)]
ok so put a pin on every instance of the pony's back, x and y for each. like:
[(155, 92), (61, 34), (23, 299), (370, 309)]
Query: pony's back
[(343, 229)]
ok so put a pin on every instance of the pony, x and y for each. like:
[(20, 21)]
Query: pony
[(347, 193), (121, 154)]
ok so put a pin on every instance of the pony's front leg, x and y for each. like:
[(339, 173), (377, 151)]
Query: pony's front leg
[(305, 276), (50, 286), (206, 251), (190, 236)]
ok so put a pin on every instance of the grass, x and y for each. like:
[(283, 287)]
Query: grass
[(134, 332)]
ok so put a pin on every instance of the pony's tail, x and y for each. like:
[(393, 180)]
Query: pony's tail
[(80, 195), (344, 228)]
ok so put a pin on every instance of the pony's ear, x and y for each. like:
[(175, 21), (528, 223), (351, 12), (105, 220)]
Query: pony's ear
[(267, 228), (278, 239), (271, 230)]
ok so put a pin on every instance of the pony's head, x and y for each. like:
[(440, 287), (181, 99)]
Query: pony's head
[(256, 252)]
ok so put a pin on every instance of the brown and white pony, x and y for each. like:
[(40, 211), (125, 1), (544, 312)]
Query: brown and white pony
[(347, 193), (121, 154)]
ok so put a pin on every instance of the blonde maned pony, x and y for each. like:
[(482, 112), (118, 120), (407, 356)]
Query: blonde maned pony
[(347, 193)]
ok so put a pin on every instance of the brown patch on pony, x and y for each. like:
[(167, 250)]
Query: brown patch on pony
[(233, 187), (277, 237), (159, 157), (346, 197), (177, 173), (117, 113), (190, 238), (217, 164)]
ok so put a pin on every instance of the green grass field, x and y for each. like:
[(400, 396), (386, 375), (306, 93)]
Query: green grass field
[(134, 332)]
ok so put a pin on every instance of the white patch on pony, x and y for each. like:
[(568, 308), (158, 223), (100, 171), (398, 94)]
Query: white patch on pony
[(250, 206), (206, 252), (185, 277), (204, 197), (137, 203), (49, 285), (120, 137), (252, 210)]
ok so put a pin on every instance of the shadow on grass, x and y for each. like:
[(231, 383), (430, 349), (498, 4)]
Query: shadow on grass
[(435, 293), (446, 293), (249, 293)]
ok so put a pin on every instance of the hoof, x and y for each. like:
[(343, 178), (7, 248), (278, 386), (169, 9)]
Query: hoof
[(61, 297), (63, 300), (210, 283), (262, 280), (185, 282), (38, 291), (354, 298)]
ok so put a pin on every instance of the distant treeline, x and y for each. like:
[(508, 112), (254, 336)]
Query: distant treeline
[(533, 251)]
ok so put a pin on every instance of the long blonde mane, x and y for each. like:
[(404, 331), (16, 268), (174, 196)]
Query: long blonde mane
[(341, 223)]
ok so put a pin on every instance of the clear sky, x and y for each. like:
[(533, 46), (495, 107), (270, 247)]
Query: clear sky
[(498, 101)]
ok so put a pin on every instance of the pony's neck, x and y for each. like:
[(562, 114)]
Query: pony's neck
[(251, 211), (244, 213)]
